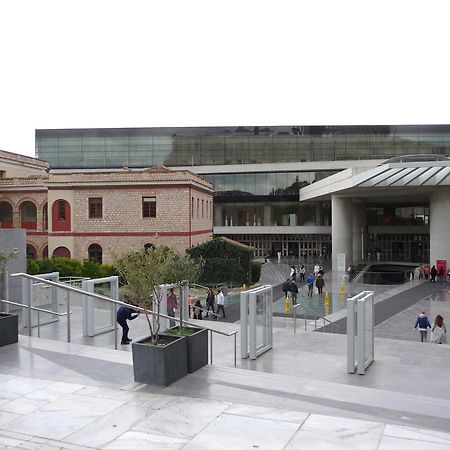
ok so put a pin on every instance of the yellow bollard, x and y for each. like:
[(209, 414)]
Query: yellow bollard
[(342, 289), (287, 305), (244, 287), (327, 298)]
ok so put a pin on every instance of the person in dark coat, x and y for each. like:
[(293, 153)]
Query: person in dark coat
[(294, 292), (320, 283), (287, 288), (210, 302), (125, 313), (433, 273), (198, 310)]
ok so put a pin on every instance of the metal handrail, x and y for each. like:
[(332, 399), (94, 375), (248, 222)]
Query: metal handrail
[(34, 308), (315, 317), (117, 302)]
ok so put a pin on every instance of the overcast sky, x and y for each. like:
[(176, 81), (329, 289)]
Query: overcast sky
[(130, 63)]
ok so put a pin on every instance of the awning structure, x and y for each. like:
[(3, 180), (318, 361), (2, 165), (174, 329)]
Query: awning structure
[(395, 178)]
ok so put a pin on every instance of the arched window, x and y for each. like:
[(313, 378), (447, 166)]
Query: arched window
[(95, 253), (62, 252), (31, 251), (45, 217), (28, 216), (6, 215), (61, 215), (45, 252), (148, 245)]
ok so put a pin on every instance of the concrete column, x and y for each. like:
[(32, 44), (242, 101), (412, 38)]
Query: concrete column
[(341, 229), (359, 232), (439, 223)]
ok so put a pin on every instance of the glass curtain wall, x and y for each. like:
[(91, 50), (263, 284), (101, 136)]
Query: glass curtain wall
[(91, 148)]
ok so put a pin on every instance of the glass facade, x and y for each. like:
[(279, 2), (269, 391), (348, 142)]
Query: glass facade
[(252, 199), (263, 184), (145, 147), (276, 213)]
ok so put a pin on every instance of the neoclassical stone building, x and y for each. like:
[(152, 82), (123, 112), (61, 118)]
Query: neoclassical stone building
[(92, 214)]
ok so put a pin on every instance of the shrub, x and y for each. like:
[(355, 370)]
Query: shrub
[(225, 261), (256, 271)]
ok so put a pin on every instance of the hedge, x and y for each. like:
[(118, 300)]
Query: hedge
[(68, 267)]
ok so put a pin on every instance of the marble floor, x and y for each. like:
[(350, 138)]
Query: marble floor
[(56, 395), (47, 415)]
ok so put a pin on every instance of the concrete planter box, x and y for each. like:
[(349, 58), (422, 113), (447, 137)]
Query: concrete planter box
[(9, 329), (197, 348), (160, 364)]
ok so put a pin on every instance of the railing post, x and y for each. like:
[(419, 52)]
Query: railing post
[(235, 349), (29, 284), (39, 324), (68, 316), (211, 347), (115, 335), (305, 319)]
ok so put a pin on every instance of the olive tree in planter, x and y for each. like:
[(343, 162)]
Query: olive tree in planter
[(181, 271), (159, 358), (9, 328)]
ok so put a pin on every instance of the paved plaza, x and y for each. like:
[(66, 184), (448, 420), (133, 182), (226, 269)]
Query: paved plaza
[(297, 395)]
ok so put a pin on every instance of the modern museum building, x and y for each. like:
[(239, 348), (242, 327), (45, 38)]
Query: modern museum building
[(305, 191)]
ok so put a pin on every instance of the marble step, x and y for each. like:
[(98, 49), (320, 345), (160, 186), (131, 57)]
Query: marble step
[(312, 395)]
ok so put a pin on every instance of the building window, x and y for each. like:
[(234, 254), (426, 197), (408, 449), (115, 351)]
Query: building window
[(61, 215), (149, 207), (62, 252), (95, 208), (62, 210), (203, 209), (28, 216), (192, 206), (95, 253), (198, 208)]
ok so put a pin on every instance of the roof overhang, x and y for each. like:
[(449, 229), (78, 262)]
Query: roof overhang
[(393, 179)]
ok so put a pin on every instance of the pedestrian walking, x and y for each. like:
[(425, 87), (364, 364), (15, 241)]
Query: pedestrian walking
[(433, 273), (320, 283), (423, 323), (302, 273), (171, 306), (310, 284), (210, 302), (438, 333), (294, 292), (293, 273), (125, 313), (220, 302)]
